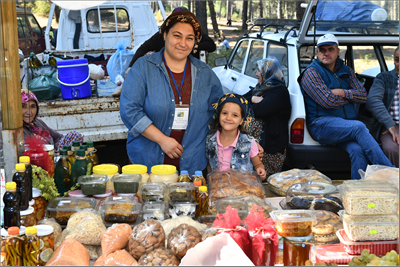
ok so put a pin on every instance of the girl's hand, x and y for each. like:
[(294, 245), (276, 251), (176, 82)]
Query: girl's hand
[(260, 151), (262, 173), (256, 99), (171, 147)]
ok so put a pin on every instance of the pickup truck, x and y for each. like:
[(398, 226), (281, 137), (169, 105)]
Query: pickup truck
[(97, 118)]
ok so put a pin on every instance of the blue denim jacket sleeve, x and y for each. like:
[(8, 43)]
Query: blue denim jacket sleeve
[(131, 102)]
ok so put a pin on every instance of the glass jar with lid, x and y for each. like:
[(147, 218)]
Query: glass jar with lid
[(40, 204), (45, 233), (107, 169), (163, 174), (28, 217)]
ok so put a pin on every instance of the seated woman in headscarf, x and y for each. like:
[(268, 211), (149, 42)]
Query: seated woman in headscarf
[(270, 102), (32, 125)]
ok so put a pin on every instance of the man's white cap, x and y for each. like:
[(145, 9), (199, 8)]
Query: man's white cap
[(327, 39)]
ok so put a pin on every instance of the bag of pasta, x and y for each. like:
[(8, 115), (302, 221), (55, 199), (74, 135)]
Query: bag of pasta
[(94, 251), (380, 172), (86, 226), (264, 238), (229, 222), (116, 237), (183, 238), (146, 237), (56, 226)]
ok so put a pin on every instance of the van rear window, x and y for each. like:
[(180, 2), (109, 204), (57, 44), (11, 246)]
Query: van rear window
[(110, 20)]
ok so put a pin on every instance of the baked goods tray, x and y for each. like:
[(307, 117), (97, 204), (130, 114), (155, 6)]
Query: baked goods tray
[(276, 190)]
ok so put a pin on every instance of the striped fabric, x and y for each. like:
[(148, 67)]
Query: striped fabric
[(394, 110)]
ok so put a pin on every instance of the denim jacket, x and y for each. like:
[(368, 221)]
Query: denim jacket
[(240, 159), (147, 98)]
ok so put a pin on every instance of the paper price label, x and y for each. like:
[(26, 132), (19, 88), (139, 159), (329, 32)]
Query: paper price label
[(373, 232), (65, 201), (371, 205)]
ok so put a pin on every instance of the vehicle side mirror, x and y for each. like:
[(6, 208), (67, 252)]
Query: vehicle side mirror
[(220, 61)]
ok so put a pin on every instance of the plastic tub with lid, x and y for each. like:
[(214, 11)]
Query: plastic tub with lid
[(107, 169), (240, 205), (118, 209), (126, 183), (180, 192), (369, 197), (331, 254), (93, 184), (76, 193), (184, 208), (45, 234), (28, 217), (152, 192), (100, 198), (293, 223), (154, 211), (61, 208), (137, 169), (163, 174)]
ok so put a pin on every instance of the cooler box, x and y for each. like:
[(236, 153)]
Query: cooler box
[(74, 79)]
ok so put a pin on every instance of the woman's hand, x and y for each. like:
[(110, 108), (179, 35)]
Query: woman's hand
[(171, 147), (262, 173), (256, 99)]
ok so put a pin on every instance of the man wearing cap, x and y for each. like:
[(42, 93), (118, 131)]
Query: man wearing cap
[(332, 93)]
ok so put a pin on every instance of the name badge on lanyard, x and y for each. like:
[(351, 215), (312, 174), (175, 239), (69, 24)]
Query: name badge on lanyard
[(181, 117)]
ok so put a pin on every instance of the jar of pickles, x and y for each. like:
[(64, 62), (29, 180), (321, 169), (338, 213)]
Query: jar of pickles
[(3, 247), (14, 247), (30, 255), (46, 243), (109, 170), (28, 217), (163, 174), (50, 151), (40, 204)]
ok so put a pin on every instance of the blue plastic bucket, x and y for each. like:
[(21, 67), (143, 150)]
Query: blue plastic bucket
[(74, 79)]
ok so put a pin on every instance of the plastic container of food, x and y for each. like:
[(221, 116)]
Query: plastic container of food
[(137, 169), (207, 219), (180, 192), (293, 223), (107, 169), (118, 209), (100, 198), (374, 247), (93, 184), (183, 208), (45, 234), (76, 193), (154, 211), (325, 227), (28, 217), (240, 205), (369, 197), (40, 204), (126, 183), (61, 208), (371, 228), (152, 192), (163, 174), (331, 254)]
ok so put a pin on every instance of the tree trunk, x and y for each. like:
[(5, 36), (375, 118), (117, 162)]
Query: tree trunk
[(260, 9), (286, 10), (201, 14), (220, 8), (251, 10), (279, 9), (217, 33), (228, 10), (244, 15), (299, 11), (57, 13), (189, 5)]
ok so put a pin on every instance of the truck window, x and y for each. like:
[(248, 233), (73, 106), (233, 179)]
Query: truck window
[(239, 56), (107, 18), (23, 28), (280, 52), (34, 25), (256, 53)]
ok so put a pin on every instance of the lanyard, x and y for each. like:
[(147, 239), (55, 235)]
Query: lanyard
[(173, 79)]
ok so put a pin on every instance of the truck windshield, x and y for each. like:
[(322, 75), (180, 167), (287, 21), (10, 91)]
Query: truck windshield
[(372, 18)]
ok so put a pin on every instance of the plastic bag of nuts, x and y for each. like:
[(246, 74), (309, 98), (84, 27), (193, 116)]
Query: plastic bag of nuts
[(209, 232), (158, 257), (183, 238), (146, 237)]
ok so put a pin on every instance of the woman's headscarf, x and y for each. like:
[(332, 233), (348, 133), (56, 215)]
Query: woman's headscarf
[(271, 73), (27, 96), (186, 17), (241, 101)]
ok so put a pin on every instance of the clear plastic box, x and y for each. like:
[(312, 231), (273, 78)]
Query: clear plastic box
[(126, 183), (372, 227), (289, 223), (301, 195), (152, 192), (325, 227), (182, 208), (154, 211), (180, 192), (331, 254), (120, 209), (61, 208), (207, 219), (93, 184), (240, 205), (374, 247), (369, 197)]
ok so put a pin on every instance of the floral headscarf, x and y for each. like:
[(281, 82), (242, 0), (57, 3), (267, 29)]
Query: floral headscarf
[(186, 17), (27, 96), (241, 101), (271, 72)]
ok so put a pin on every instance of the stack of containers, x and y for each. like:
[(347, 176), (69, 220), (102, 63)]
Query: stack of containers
[(371, 220), (153, 201), (94, 186), (181, 199), (137, 169)]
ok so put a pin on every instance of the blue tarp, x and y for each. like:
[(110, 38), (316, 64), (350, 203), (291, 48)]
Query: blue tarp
[(345, 10)]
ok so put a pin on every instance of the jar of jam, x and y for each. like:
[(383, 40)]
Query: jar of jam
[(295, 251)]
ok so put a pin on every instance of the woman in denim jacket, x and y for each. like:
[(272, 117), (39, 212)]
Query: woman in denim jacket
[(161, 91)]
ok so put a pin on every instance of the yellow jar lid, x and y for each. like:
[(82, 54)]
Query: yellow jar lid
[(24, 159), (163, 169), (107, 169), (31, 230), (20, 167), (203, 188), (11, 185), (134, 169)]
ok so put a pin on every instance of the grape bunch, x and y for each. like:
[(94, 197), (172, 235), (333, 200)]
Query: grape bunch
[(390, 259), (309, 263)]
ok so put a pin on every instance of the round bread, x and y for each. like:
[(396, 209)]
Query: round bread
[(326, 229)]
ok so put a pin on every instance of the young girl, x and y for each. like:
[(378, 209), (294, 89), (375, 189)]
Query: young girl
[(230, 146)]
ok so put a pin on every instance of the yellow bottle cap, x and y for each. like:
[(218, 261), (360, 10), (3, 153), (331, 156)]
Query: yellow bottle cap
[(20, 167), (164, 169), (134, 169), (24, 159), (31, 230), (203, 188), (107, 169), (11, 185)]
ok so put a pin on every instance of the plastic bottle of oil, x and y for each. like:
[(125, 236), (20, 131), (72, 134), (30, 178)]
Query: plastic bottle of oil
[(202, 199), (34, 61), (79, 167), (62, 173), (52, 60), (198, 176), (92, 156)]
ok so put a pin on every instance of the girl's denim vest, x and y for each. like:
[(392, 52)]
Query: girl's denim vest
[(240, 159)]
